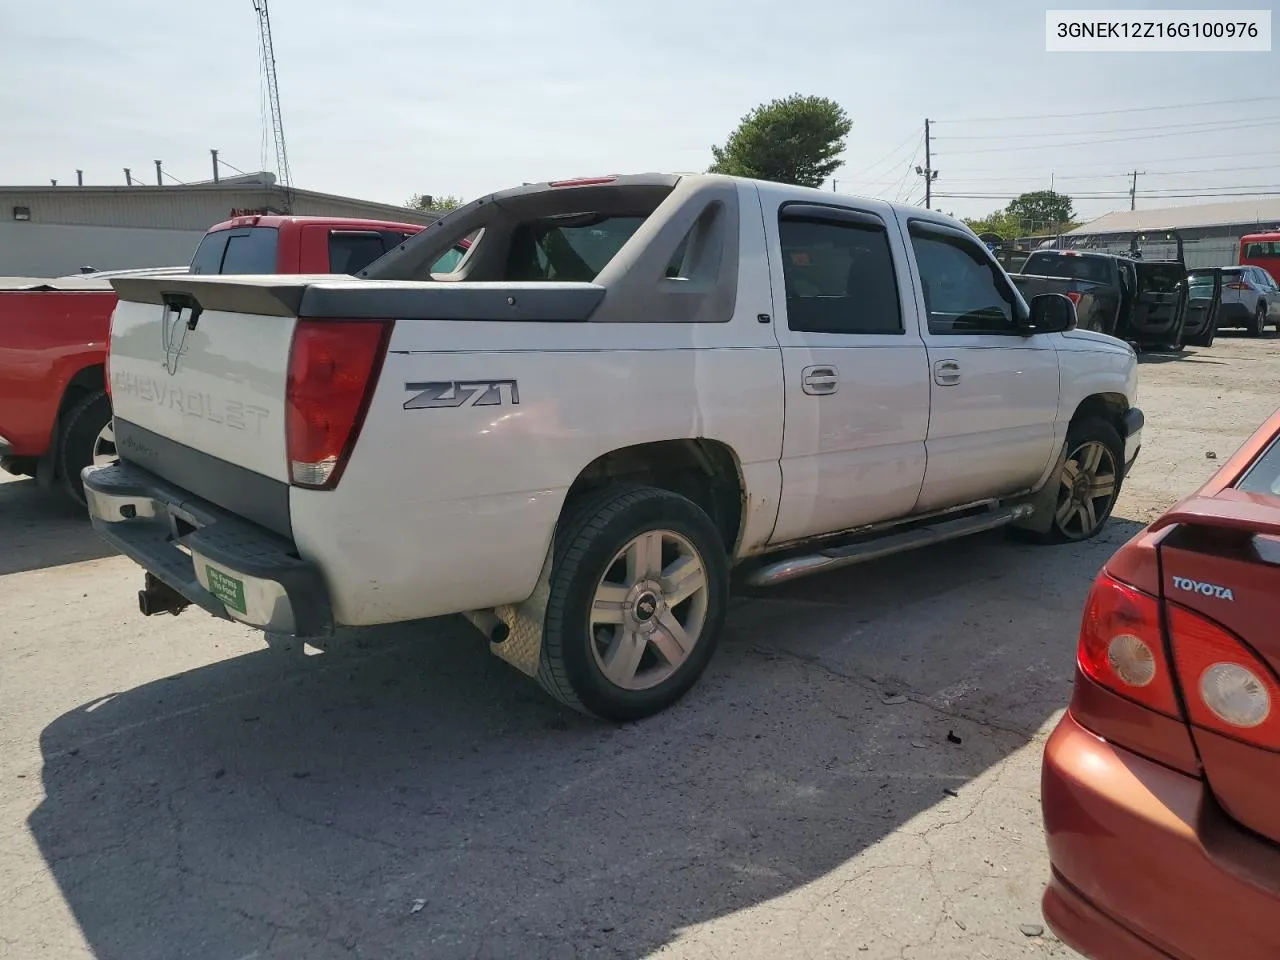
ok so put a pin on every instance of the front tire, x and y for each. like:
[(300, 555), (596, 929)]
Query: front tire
[(87, 438), (1089, 483), (638, 591)]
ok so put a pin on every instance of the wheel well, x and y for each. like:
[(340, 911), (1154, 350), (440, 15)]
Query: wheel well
[(1110, 407), (86, 381), (704, 471)]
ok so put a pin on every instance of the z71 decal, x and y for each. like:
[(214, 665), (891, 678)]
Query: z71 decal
[(462, 393)]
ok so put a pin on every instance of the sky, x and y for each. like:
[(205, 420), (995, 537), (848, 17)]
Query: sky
[(386, 98)]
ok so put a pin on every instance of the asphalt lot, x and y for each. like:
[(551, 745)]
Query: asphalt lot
[(174, 788)]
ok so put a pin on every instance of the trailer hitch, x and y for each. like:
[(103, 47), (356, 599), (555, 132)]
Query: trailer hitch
[(156, 596)]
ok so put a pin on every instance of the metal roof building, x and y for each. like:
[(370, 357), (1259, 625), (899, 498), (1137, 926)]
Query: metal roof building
[(51, 231), (1211, 232)]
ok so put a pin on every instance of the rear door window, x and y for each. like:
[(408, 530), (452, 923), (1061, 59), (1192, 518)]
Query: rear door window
[(352, 250), (839, 275), (251, 251)]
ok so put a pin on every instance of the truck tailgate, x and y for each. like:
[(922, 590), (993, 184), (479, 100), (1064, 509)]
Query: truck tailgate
[(202, 364)]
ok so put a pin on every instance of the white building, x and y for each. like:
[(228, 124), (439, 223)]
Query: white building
[(53, 231)]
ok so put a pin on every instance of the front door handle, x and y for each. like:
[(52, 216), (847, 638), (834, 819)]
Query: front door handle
[(820, 381), (946, 373)]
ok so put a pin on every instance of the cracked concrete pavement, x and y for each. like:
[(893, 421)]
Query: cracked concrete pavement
[(856, 776)]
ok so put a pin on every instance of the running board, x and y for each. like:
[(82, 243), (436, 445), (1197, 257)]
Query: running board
[(781, 571)]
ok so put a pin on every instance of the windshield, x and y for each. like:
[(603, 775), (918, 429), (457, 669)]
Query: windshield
[(1068, 267)]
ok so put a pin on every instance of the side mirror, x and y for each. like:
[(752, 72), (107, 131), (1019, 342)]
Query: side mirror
[(1052, 313)]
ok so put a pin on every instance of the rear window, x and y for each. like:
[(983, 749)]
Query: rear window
[(1264, 475), (1092, 269), (241, 251), (574, 248), (1262, 249)]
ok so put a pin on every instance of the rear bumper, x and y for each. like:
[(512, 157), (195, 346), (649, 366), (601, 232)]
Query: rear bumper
[(1234, 314), (1145, 864), (218, 561)]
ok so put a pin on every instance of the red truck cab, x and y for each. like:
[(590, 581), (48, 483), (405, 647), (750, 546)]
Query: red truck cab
[(1261, 250), (55, 415)]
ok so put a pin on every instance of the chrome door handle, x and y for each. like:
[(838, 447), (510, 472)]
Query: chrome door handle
[(946, 373), (820, 381)]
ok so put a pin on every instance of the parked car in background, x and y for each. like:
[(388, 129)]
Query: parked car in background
[(1159, 784), (1250, 299), (1261, 250), (55, 415), (628, 386), (1141, 301)]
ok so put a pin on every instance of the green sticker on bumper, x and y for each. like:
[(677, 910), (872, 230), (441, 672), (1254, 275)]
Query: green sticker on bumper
[(227, 589)]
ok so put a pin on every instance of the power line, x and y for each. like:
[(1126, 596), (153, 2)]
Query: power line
[(1199, 124), (1084, 143), (1257, 190), (1113, 176), (1111, 164), (1109, 113), (897, 190), (914, 135)]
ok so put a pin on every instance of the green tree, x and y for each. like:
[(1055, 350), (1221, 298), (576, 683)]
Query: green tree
[(426, 201), (1041, 209), (999, 222), (797, 139)]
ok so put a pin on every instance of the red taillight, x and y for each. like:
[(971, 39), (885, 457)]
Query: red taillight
[(1121, 646), (1074, 296), (1227, 688), (1237, 286), (333, 367)]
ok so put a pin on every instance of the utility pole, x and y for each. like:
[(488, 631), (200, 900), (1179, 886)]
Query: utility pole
[(214, 154), (927, 170), (159, 175), (1133, 190)]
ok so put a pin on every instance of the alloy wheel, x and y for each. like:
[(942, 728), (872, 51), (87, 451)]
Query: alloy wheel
[(649, 610), (1089, 483)]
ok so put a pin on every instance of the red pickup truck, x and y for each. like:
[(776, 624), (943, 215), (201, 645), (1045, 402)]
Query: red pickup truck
[(55, 415)]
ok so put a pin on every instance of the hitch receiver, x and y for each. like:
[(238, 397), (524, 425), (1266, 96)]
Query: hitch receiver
[(157, 596)]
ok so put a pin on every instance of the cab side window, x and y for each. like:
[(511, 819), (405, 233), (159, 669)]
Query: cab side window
[(839, 274), (964, 292)]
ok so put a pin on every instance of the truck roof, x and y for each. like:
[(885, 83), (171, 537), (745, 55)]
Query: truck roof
[(280, 220), (613, 194)]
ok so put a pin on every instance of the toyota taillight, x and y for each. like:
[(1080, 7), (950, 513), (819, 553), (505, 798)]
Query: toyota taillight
[(333, 368), (1121, 645), (1228, 688), (1237, 286)]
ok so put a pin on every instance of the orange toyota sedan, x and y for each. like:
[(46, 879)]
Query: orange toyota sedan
[(1161, 785)]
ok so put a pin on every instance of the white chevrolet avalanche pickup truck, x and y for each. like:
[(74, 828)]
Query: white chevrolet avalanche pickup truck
[(627, 387)]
